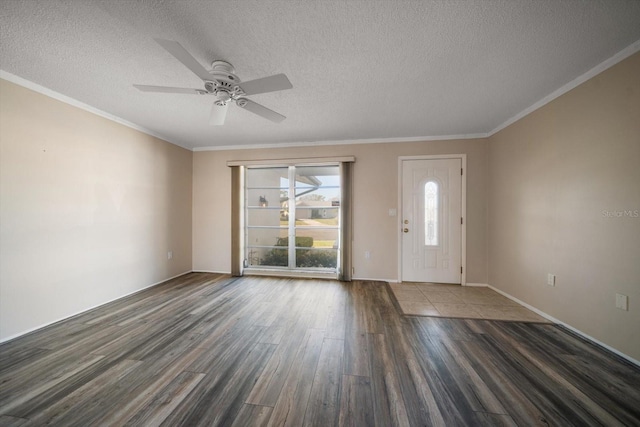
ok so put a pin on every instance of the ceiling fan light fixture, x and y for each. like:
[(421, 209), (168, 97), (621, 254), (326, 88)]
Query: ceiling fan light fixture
[(223, 95)]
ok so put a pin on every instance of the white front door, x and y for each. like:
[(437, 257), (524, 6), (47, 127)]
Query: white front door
[(431, 220)]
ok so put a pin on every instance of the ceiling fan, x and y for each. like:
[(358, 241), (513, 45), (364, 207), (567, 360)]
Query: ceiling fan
[(223, 84)]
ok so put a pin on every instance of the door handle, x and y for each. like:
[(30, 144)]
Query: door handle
[(406, 230)]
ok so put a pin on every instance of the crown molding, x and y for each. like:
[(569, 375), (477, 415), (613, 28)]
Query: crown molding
[(342, 142)]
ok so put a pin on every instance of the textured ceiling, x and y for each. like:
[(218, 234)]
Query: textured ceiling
[(360, 69)]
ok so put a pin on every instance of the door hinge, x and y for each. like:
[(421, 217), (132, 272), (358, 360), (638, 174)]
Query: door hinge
[(461, 171), (461, 221), (460, 270)]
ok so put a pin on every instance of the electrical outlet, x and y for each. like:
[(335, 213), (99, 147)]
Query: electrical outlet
[(622, 302), (367, 254), (169, 254), (551, 279)]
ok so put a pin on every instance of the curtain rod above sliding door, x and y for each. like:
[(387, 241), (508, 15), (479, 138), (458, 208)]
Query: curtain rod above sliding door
[(292, 162)]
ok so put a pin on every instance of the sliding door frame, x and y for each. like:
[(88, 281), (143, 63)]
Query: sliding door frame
[(238, 211)]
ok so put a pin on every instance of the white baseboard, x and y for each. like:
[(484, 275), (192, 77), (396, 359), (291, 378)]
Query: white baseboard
[(476, 285), (12, 337), (571, 328), (367, 279), (210, 271)]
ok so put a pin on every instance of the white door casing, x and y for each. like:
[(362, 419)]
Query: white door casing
[(431, 241)]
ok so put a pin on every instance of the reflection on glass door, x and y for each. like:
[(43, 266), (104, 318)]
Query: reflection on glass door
[(292, 217)]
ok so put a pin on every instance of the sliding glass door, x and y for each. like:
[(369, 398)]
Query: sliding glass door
[(292, 218)]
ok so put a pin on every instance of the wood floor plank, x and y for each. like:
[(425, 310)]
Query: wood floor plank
[(433, 416), (565, 389), (253, 416), (136, 393), (390, 409), (291, 404), (454, 407), (514, 394), (267, 389), (336, 322), (356, 343), (476, 389), (18, 399), (167, 399), (218, 398), (324, 399), (582, 372), (9, 421), (621, 393), (416, 393), (76, 400), (356, 402), (357, 359), (45, 338), (12, 361), (495, 420), (209, 349), (525, 400)]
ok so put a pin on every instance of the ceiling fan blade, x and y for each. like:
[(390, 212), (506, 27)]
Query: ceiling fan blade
[(181, 54), (260, 110), (218, 114), (167, 89), (266, 84)]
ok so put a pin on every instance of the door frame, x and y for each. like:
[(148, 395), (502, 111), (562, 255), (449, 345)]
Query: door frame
[(463, 236)]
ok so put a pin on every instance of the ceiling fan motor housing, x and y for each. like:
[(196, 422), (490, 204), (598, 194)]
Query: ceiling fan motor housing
[(224, 84)]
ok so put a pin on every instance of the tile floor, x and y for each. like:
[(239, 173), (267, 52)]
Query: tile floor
[(438, 300)]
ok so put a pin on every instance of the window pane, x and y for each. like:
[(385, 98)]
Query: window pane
[(263, 247), (267, 197), (309, 214), (315, 176), (268, 257), (317, 237), (267, 178), (316, 258), (431, 214), (317, 183), (323, 193), (272, 217), (265, 236)]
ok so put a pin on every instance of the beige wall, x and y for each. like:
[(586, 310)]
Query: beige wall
[(89, 210), (552, 177), (375, 192)]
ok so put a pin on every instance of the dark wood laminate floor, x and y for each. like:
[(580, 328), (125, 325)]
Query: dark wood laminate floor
[(207, 349)]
